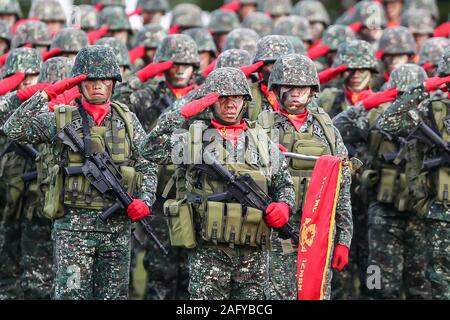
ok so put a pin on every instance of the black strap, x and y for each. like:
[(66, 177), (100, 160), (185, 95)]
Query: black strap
[(86, 132)]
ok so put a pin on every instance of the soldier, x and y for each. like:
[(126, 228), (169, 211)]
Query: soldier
[(316, 14), (295, 82), (276, 8), (246, 7), (5, 37), (35, 33), (233, 58), (241, 38), (120, 51), (420, 23), (429, 5), (153, 10), (86, 16), (101, 4), (297, 44), (149, 37), (207, 50), (221, 23), (92, 257), (394, 9), (294, 26), (259, 22), (268, 50), (430, 53), (373, 20), (10, 11), (229, 264), (68, 42), (427, 181), (51, 12), (116, 19), (397, 47), (397, 235), (185, 16)]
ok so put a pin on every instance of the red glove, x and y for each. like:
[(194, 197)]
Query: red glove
[(209, 68), (136, 53), (19, 22), (94, 35), (442, 30), (9, 83), (49, 54), (135, 12), (65, 84), (356, 26), (340, 257), (153, 69), (331, 73), (233, 6), (282, 148), (26, 93), (427, 66), (175, 28), (378, 98), (379, 54), (248, 70), (434, 83), (65, 98), (196, 106), (277, 214), (99, 6), (138, 210), (318, 51)]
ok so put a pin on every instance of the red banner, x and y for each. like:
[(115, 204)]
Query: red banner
[(316, 231)]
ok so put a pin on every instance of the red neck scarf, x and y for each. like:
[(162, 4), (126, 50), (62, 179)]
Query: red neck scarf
[(230, 132), (180, 92), (355, 97), (386, 76), (271, 97), (297, 120), (97, 111)]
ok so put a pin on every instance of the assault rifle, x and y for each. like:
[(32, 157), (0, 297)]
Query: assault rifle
[(27, 151)]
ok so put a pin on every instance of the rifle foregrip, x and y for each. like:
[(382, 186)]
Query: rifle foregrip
[(105, 215), (287, 232)]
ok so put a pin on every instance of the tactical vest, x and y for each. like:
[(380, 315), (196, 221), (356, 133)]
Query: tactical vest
[(333, 101), (197, 220), (305, 143), (115, 136), (255, 105)]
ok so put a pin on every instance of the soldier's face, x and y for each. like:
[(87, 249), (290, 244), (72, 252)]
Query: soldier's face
[(432, 72), (29, 80), (179, 75), (205, 59), (229, 108), (4, 46), (96, 90), (358, 80), (246, 9), (392, 61), (9, 18), (295, 99), (54, 26), (121, 35), (420, 39), (152, 17), (276, 18), (219, 39), (370, 35), (394, 9), (40, 48), (266, 70), (150, 54), (317, 29)]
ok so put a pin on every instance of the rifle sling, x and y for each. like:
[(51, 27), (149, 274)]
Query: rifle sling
[(86, 133)]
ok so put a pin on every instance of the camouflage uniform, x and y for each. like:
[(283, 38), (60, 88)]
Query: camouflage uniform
[(220, 271), (150, 36), (426, 187), (397, 235), (35, 33), (298, 70), (92, 258), (259, 22), (5, 35), (241, 38), (431, 52)]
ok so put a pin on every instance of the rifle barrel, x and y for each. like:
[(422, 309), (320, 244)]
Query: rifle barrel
[(300, 156)]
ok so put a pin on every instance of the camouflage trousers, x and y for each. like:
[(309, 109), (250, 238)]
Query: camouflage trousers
[(397, 247), (91, 264), (220, 274), (26, 259), (438, 269)]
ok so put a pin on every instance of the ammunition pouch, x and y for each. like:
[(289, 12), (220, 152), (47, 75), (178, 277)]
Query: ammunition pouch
[(388, 185), (53, 203), (442, 186), (180, 222)]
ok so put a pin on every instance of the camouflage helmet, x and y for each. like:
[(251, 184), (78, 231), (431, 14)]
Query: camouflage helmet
[(397, 40), (115, 18), (335, 35), (10, 7), (270, 48), (96, 62), (106, 3), (33, 32), (179, 48), (119, 48), (371, 14), (294, 26), (297, 44), (88, 18), (406, 75), (444, 63), (150, 36), (70, 40), (55, 69), (312, 10), (233, 58), (187, 15), (259, 22), (276, 7), (418, 21), (241, 38), (226, 82), (429, 5), (26, 60), (245, 1), (47, 10), (223, 21), (203, 39), (294, 70), (356, 54), (5, 31), (432, 49), (153, 5)]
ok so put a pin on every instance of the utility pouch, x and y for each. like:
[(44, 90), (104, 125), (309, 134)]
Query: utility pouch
[(213, 224), (310, 148), (387, 185), (443, 186), (233, 224), (252, 219), (180, 223), (53, 203)]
